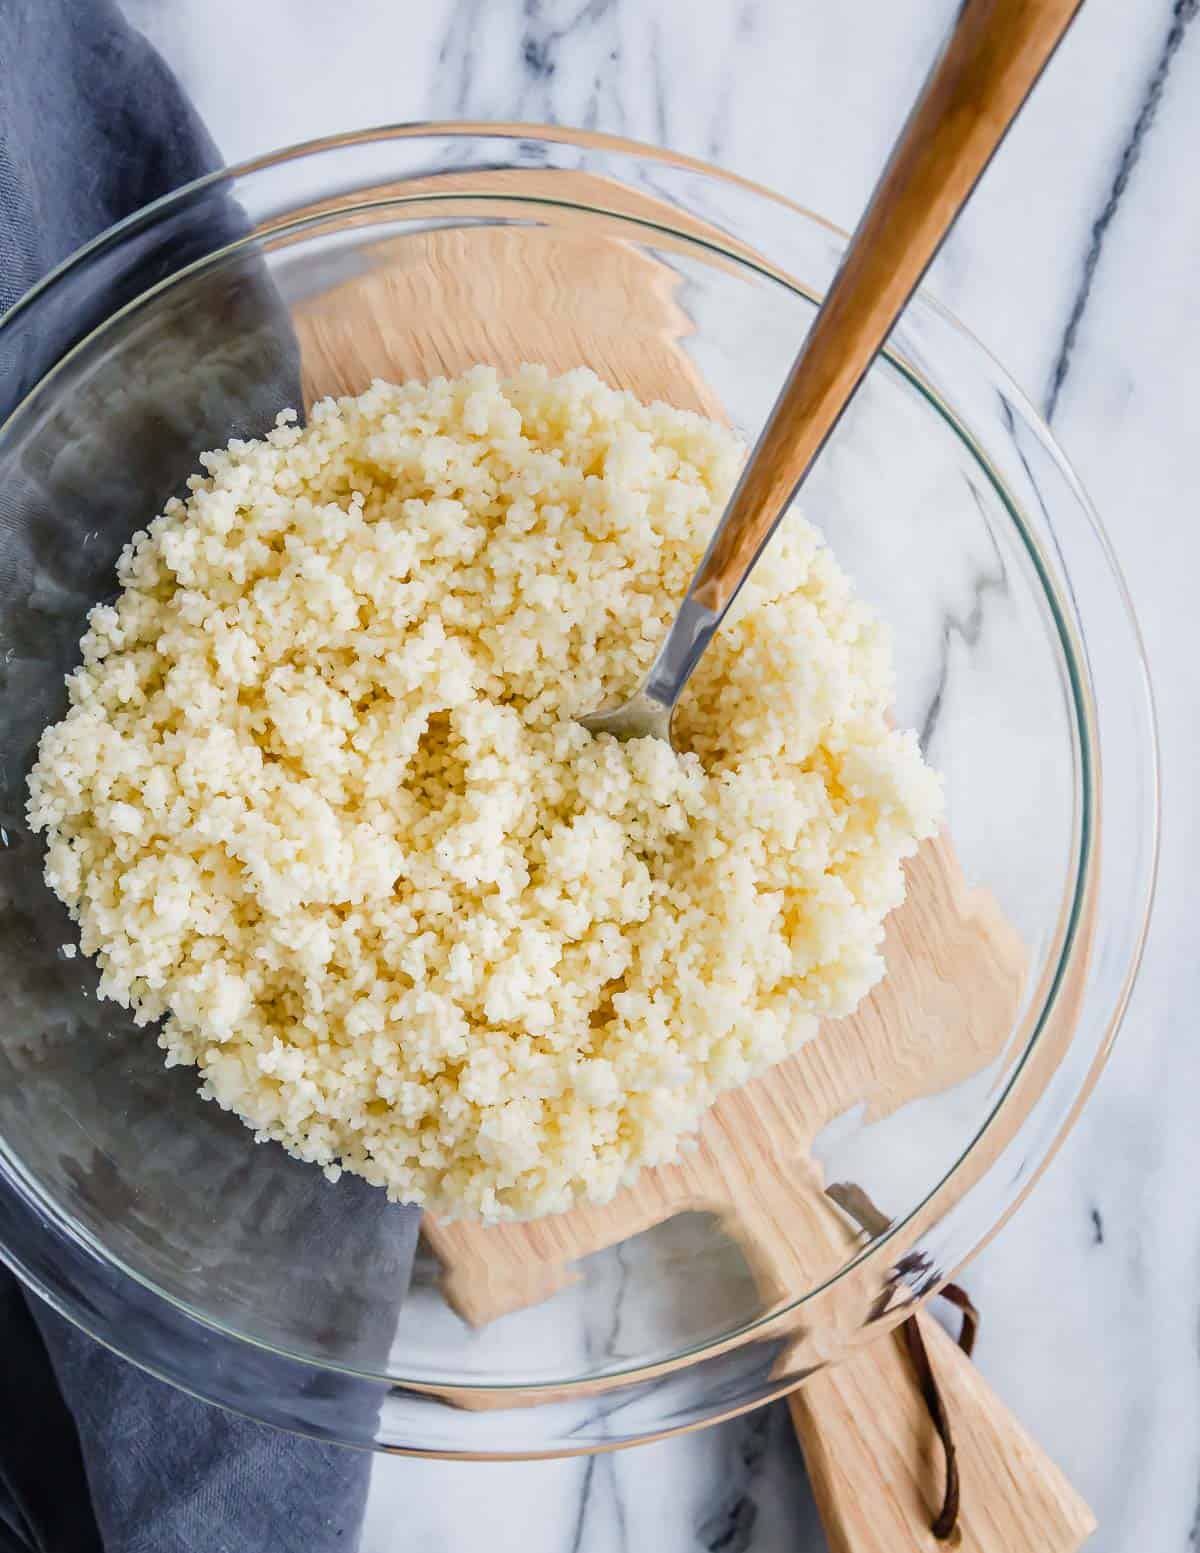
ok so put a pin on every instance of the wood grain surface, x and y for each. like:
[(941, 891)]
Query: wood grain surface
[(438, 302), (877, 1470)]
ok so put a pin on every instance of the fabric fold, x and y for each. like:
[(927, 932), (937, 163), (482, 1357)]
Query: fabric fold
[(95, 1455)]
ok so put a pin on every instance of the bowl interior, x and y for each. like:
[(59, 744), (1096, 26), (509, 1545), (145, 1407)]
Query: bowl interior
[(409, 283)]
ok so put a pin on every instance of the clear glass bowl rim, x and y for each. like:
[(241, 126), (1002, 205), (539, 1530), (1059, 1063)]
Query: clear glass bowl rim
[(14, 1176)]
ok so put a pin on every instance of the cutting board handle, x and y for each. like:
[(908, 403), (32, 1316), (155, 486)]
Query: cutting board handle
[(878, 1471)]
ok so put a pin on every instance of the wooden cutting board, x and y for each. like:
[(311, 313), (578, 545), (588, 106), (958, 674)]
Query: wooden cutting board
[(437, 303)]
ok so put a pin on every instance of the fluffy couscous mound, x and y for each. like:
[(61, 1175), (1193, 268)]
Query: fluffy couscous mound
[(320, 804)]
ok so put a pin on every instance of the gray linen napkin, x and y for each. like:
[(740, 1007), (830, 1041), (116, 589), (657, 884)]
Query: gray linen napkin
[(95, 1454)]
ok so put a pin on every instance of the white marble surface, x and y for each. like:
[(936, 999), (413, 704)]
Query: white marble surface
[(1076, 263)]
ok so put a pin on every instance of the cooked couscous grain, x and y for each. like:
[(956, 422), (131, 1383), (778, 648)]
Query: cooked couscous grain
[(319, 802)]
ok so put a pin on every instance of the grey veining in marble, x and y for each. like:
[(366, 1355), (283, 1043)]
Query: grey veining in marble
[(1183, 12), (1077, 265)]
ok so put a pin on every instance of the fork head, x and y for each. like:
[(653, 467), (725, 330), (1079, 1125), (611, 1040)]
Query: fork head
[(641, 717)]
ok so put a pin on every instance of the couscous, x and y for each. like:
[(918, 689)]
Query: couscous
[(320, 804)]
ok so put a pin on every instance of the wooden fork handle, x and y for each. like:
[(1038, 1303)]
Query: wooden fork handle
[(993, 58)]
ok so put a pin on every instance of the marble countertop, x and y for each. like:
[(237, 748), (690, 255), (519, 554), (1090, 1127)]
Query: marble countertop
[(1076, 265)]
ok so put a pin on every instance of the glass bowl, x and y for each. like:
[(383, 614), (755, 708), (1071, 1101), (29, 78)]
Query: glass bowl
[(152, 1219)]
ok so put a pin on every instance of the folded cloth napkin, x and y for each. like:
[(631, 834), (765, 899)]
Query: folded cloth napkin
[(96, 1456)]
